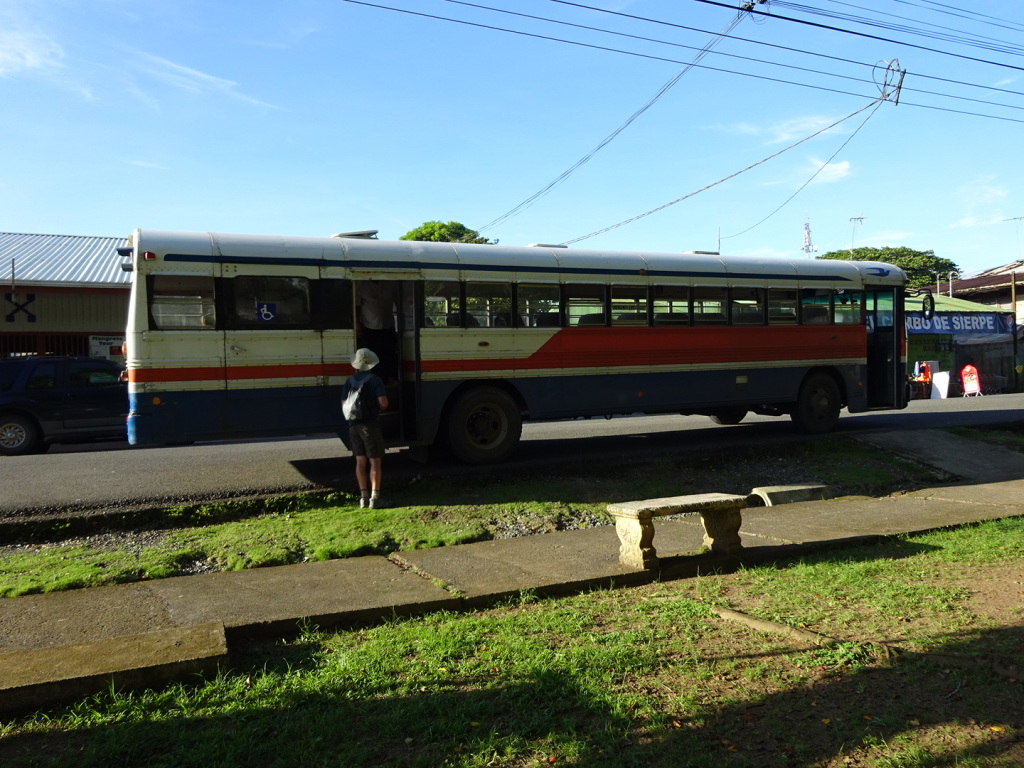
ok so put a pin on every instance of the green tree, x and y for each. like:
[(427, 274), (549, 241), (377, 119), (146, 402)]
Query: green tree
[(920, 266), (438, 232)]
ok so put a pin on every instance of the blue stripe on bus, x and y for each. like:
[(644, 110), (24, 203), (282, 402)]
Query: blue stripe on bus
[(457, 267), (187, 416)]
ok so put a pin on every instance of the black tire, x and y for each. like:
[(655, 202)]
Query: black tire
[(18, 435), (818, 404), (728, 416), (484, 426)]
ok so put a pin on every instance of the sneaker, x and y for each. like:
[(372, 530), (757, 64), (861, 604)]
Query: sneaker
[(363, 502), (377, 504)]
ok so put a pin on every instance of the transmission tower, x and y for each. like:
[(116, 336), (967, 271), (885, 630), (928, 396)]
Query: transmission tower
[(809, 247)]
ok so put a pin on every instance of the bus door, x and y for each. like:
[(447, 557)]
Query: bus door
[(384, 326), (884, 379)]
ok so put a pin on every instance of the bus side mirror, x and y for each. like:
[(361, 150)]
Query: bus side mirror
[(928, 305)]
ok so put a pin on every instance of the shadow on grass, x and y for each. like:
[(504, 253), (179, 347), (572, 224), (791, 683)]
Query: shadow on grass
[(952, 707)]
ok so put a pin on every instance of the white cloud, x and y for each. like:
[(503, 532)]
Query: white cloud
[(26, 50), (796, 129), (981, 198), (826, 173), (192, 80), (785, 132)]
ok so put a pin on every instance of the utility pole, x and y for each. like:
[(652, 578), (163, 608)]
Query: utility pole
[(854, 221)]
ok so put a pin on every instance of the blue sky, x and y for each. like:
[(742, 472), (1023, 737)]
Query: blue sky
[(309, 117)]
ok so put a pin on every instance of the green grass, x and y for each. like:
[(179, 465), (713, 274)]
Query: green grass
[(619, 678), (433, 510)]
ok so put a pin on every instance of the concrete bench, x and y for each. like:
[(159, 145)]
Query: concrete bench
[(634, 522)]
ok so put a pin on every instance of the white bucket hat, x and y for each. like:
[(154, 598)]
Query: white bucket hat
[(364, 359)]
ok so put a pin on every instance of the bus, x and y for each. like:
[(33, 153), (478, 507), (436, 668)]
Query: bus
[(242, 336)]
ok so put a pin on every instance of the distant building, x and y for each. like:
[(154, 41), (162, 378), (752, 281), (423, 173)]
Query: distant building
[(62, 294), (1001, 287), (962, 332)]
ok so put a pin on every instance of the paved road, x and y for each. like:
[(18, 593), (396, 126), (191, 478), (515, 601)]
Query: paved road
[(117, 476)]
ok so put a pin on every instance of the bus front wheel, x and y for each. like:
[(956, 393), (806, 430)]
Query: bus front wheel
[(484, 426), (818, 404)]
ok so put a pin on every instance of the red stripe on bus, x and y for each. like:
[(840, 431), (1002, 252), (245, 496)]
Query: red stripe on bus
[(236, 372), (623, 348)]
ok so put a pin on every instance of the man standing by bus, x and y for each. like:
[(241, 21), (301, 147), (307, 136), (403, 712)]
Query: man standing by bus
[(363, 398), (375, 328)]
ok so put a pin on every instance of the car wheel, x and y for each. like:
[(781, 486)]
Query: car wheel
[(18, 435)]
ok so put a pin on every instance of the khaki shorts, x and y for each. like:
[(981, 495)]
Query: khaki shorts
[(366, 439)]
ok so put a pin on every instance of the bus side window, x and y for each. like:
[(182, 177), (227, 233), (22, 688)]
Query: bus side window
[(177, 302), (538, 304), (487, 304), (585, 304), (746, 306), (441, 304), (782, 303), (709, 303), (332, 303), (629, 305), (671, 304), (848, 306), (259, 302), (815, 306)]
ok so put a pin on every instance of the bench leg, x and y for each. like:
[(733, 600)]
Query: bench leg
[(635, 547), (722, 530)]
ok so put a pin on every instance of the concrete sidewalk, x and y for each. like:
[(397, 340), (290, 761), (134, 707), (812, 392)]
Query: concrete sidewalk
[(58, 646)]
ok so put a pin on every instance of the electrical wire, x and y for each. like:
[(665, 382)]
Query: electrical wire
[(814, 175), (610, 137), (945, 33), (747, 58), (866, 35), (963, 13), (767, 45), (727, 178)]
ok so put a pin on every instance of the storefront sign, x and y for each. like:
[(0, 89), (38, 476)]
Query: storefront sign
[(960, 323), (106, 346)]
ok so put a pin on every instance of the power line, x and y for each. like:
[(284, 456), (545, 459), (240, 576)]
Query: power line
[(762, 43), (651, 57), (866, 35), (608, 139), (945, 33), (812, 178), (744, 58), (963, 13), (727, 178)]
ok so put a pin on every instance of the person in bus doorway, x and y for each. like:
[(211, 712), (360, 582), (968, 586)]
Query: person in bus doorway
[(363, 398), (375, 325)]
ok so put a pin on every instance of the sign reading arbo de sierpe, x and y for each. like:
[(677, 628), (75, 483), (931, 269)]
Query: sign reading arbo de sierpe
[(960, 323)]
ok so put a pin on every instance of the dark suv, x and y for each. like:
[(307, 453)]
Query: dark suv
[(46, 400)]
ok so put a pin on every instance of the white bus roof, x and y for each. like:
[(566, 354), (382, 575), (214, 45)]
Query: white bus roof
[(477, 261)]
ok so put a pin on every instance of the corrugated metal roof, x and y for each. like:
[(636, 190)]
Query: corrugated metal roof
[(66, 260), (945, 304)]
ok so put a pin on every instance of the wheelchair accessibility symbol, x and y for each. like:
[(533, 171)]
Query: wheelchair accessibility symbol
[(266, 312)]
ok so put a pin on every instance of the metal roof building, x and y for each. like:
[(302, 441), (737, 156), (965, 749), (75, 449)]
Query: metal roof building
[(65, 260), (62, 294)]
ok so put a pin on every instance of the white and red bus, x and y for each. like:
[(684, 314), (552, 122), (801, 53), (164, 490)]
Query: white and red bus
[(235, 336)]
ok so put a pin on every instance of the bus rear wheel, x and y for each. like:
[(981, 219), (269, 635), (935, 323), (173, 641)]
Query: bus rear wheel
[(484, 426), (818, 404), (728, 416)]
